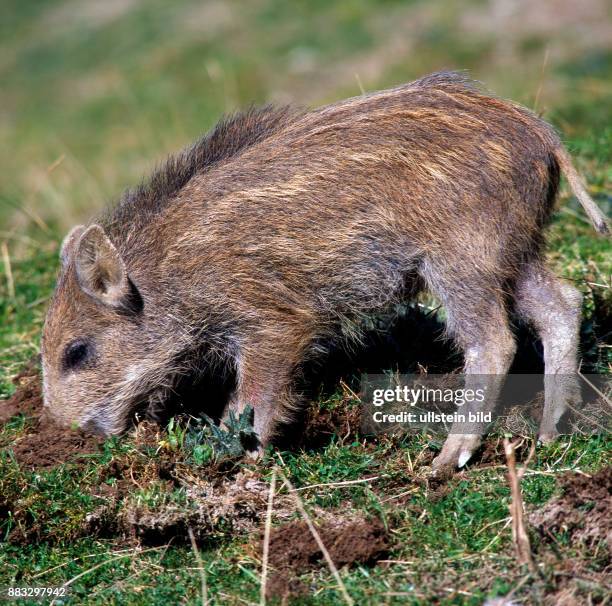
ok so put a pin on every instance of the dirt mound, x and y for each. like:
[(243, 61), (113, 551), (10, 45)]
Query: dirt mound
[(322, 424), (52, 445), (577, 581), (294, 551), (584, 509), (317, 426), (27, 399)]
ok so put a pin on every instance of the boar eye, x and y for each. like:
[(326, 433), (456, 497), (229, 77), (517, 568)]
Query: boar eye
[(76, 354)]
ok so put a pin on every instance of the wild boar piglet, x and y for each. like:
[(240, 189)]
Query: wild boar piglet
[(283, 229)]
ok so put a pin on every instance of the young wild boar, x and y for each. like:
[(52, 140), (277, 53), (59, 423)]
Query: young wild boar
[(283, 228)]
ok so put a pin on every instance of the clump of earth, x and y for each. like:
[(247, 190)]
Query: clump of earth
[(294, 551), (583, 509)]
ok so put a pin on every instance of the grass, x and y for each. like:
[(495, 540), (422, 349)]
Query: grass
[(440, 543), (93, 97)]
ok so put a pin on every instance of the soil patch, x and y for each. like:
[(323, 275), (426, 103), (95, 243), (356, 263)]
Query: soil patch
[(27, 399), (584, 509), (52, 445), (322, 425), (233, 504), (318, 426), (574, 581), (294, 551)]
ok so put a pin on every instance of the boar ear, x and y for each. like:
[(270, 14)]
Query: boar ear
[(68, 244), (101, 272)]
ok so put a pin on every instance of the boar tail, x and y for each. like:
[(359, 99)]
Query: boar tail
[(594, 213)]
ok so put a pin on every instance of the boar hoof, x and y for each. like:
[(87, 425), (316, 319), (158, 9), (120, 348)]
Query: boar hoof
[(456, 452), (256, 454), (546, 437)]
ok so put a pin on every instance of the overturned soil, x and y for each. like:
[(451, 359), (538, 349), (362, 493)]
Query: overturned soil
[(583, 509), (293, 550), (231, 503), (51, 445), (27, 399), (47, 444)]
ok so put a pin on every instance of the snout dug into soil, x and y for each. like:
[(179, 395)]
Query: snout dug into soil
[(47, 444)]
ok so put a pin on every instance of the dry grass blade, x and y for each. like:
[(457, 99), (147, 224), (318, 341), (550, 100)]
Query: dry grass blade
[(198, 557), (598, 391), (266, 545), (338, 484), (359, 84), (317, 538), (10, 283), (541, 80), (519, 530)]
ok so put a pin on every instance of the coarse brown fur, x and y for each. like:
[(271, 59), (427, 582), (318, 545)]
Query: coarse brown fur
[(285, 227)]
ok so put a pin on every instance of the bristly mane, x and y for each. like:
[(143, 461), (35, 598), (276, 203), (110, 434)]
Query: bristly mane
[(228, 138), (231, 135), (458, 79)]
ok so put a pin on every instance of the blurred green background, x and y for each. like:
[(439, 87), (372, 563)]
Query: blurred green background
[(95, 92)]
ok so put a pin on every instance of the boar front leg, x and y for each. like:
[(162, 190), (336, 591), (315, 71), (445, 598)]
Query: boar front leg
[(265, 372), (487, 360)]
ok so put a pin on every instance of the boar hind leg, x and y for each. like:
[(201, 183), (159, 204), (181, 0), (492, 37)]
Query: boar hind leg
[(478, 321), (553, 308)]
